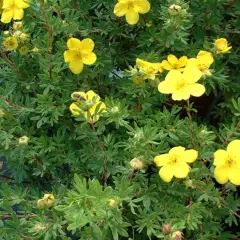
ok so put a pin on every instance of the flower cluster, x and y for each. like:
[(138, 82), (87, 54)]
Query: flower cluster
[(13, 9), (87, 104), (176, 163)]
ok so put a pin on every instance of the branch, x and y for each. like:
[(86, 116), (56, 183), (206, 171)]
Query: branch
[(231, 134), (191, 124)]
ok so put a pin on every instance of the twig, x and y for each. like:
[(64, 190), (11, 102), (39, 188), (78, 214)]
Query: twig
[(139, 107), (50, 33), (19, 216), (25, 237), (232, 133), (234, 213), (105, 158)]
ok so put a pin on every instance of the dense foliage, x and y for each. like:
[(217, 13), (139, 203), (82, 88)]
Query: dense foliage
[(100, 136)]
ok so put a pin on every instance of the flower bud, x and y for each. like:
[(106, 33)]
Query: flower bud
[(35, 50), (166, 229), (112, 203), (23, 140), (136, 164), (115, 109), (23, 36), (23, 50), (6, 33), (40, 227), (17, 25), (17, 33), (46, 202), (177, 235), (174, 10), (189, 183), (41, 203)]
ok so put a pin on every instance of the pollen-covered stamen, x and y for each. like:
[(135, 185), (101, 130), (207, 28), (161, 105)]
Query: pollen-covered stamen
[(173, 159), (231, 162), (130, 5), (202, 67), (181, 84)]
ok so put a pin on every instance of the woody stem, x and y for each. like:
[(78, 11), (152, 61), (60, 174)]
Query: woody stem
[(191, 124)]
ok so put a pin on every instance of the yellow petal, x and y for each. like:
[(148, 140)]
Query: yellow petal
[(166, 65), (166, 87), (192, 63), (132, 17), (18, 13), (220, 157), (181, 170), (82, 94), (182, 61), (172, 60), (74, 43), (177, 150), (142, 64), (7, 15), (76, 66), (87, 46), (192, 75), (120, 9), (180, 95), (174, 76), (141, 6), (205, 57), (196, 89), (233, 147), (234, 176), (89, 58), (161, 160), (91, 95), (99, 105), (166, 173), (69, 55), (221, 174), (22, 3), (75, 109), (189, 156)]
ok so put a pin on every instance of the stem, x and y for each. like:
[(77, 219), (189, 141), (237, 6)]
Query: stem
[(105, 158), (232, 133), (50, 33), (191, 124), (139, 107)]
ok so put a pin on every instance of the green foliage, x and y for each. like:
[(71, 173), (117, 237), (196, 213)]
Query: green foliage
[(109, 198)]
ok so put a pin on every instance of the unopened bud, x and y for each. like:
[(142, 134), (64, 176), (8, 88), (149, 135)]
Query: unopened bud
[(35, 50), (6, 33), (112, 203), (23, 140), (136, 164), (17, 33), (23, 50), (189, 183), (23, 36), (166, 229), (174, 10), (177, 235), (40, 227), (46, 202), (115, 109), (17, 25), (2, 113)]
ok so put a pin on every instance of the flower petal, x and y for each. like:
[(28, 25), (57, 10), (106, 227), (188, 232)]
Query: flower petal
[(233, 147), (192, 75), (69, 55), (172, 60), (180, 95), (220, 157), (7, 15), (166, 173), (132, 17), (75, 109), (161, 160), (141, 6), (73, 43), (22, 3), (196, 89), (166, 87), (91, 95), (18, 14), (89, 58), (174, 76), (87, 46), (166, 65), (192, 63), (182, 61), (221, 174), (177, 150), (189, 156), (120, 9), (205, 57), (234, 176), (76, 66), (181, 170)]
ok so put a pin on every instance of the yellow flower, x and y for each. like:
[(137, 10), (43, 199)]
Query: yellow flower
[(228, 164), (221, 46), (149, 69), (87, 104), (174, 63), (175, 163), (13, 9), (182, 85), (1, 3), (47, 201), (202, 62), (131, 8), (10, 43), (23, 140), (79, 53)]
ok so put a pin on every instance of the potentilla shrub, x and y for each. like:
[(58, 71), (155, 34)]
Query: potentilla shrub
[(119, 119)]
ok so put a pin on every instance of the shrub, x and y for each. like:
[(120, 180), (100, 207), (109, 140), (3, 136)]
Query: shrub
[(119, 119)]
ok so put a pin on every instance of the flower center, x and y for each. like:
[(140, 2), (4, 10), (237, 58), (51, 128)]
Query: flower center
[(231, 162), (181, 84), (221, 46), (78, 55), (202, 67), (173, 159), (130, 5)]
